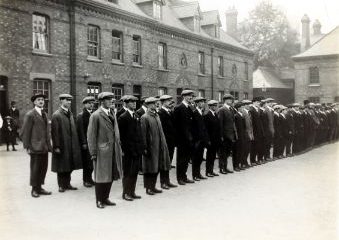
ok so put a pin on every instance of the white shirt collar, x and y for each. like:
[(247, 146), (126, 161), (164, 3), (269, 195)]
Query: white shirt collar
[(200, 111), (39, 110), (166, 109), (213, 112), (64, 108), (130, 112), (145, 108), (227, 106), (185, 103), (106, 110)]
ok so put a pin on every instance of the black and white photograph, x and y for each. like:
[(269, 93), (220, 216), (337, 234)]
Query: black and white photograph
[(169, 119)]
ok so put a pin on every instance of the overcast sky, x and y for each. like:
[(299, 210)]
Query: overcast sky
[(327, 11)]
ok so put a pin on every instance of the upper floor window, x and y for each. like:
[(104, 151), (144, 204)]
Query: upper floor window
[(162, 55), (137, 49), (202, 62), (40, 32), (246, 70), (93, 41), (157, 10), (117, 45), (314, 74), (162, 91), (220, 66)]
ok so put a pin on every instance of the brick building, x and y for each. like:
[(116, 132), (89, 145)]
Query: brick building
[(140, 47)]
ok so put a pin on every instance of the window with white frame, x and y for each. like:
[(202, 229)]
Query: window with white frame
[(137, 49), (201, 93), (162, 55), (162, 91), (117, 45), (93, 89), (314, 74), (43, 86), (220, 66), (220, 95), (157, 10), (40, 24), (93, 41), (201, 62)]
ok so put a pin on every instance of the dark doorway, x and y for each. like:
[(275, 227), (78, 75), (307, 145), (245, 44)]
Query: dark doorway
[(3, 96)]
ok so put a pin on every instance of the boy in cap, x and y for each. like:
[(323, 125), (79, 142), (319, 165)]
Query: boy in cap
[(82, 126), (36, 140), (66, 149), (10, 132)]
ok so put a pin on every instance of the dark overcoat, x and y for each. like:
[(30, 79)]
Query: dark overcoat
[(213, 128), (183, 117), (226, 123), (65, 137), (157, 157), (167, 123)]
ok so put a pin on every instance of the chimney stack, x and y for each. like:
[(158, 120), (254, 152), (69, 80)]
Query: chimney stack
[(305, 33), (232, 22), (316, 27)]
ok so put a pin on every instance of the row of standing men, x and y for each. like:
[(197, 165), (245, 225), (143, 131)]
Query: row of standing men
[(118, 144)]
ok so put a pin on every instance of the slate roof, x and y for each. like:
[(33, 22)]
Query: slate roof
[(210, 17), (186, 9), (265, 76)]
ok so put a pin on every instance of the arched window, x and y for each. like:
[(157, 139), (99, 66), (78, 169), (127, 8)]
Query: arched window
[(314, 74)]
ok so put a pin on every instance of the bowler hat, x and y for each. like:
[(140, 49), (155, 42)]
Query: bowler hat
[(37, 95)]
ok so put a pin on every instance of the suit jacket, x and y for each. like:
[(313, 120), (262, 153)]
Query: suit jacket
[(120, 112), (183, 117), (200, 134), (104, 142), (265, 123), (248, 124), (14, 113), (35, 134), (167, 123), (278, 126), (130, 134), (240, 125), (213, 127), (226, 123), (82, 126), (258, 131), (140, 112), (270, 119)]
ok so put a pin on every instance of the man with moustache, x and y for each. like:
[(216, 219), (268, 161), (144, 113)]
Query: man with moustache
[(82, 126), (131, 144), (36, 140), (104, 148), (66, 150)]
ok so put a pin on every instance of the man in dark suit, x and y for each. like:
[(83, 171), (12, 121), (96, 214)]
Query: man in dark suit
[(166, 118), (131, 144), (36, 139), (248, 131), (183, 116), (268, 126), (82, 126), (143, 109), (104, 147), (200, 138), (213, 129), (228, 132), (123, 108)]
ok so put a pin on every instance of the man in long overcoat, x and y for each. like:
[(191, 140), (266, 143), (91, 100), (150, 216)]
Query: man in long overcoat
[(155, 155), (36, 140), (66, 150), (82, 126), (104, 147), (256, 154), (131, 144)]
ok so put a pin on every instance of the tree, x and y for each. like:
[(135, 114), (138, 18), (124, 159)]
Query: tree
[(268, 34)]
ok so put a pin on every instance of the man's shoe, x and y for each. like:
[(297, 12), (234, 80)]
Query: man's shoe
[(149, 192), (14, 149), (237, 169), (201, 177), (196, 179), (109, 203), (62, 189), (70, 187), (222, 171), (171, 185), (87, 184), (164, 186), (35, 194), (181, 182), (155, 190), (44, 192), (126, 197), (100, 204), (134, 196), (209, 175), (188, 181), (215, 174), (228, 171)]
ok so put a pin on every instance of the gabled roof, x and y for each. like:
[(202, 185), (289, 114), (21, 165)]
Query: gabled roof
[(210, 17), (328, 45), (186, 9), (266, 77)]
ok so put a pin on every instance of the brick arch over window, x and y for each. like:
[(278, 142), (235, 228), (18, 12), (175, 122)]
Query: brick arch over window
[(314, 74)]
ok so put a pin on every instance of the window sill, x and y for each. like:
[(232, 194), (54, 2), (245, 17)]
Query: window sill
[(202, 75), (162, 70), (118, 63), (44, 54), (221, 77), (314, 85), (137, 65), (92, 59)]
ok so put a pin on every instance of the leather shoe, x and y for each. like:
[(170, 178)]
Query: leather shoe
[(109, 203), (188, 181), (149, 192), (215, 174), (134, 196), (87, 184), (62, 189), (44, 192), (70, 187), (228, 171), (209, 175), (155, 190), (171, 185), (100, 204), (237, 169), (181, 182), (196, 178), (126, 197), (35, 194), (164, 186), (201, 177)]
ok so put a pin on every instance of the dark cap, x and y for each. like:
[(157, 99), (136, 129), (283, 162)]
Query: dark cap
[(199, 99), (37, 95), (65, 96), (151, 100), (257, 99), (130, 98), (187, 92), (227, 96), (105, 95)]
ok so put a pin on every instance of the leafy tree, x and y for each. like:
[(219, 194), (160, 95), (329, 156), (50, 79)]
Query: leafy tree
[(267, 32)]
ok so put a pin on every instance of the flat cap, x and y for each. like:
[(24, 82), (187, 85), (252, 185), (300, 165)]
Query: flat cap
[(295, 104), (269, 100), (257, 99), (276, 107), (199, 99), (212, 102), (105, 95), (130, 98), (37, 95), (65, 96), (88, 99), (165, 97), (227, 96), (151, 100), (246, 102), (187, 92), (238, 105)]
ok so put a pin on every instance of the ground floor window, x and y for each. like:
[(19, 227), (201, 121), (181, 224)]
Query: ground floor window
[(43, 86), (118, 91), (314, 99), (93, 89), (235, 94)]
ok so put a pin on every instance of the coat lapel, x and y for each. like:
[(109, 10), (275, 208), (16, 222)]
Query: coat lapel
[(108, 121)]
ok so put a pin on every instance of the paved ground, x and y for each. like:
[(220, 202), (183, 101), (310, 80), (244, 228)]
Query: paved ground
[(294, 198)]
